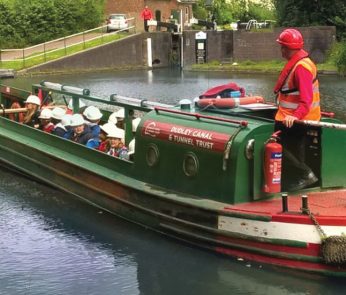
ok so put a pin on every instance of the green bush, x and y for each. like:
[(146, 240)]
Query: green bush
[(199, 11), (260, 12), (25, 23), (340, 58)]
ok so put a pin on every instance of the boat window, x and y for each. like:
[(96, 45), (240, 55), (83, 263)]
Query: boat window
[(190, 165), (152, 155)]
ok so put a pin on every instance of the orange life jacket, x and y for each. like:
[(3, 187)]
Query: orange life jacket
[(289, 95)]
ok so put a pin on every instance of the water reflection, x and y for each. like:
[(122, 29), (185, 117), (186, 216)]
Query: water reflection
[(54, 244)]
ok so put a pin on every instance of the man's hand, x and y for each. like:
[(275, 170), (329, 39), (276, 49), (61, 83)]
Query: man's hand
[(289, 120)]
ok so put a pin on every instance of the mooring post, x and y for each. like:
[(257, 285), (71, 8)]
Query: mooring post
[(305, 206), (284, 202)]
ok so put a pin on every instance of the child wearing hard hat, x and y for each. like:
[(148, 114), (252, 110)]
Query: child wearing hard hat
[(81, 132), (115, 146), (32, 103), (57, 114), (45, 121), (63, 128), (105, 129), (92, 117), (118, 117)]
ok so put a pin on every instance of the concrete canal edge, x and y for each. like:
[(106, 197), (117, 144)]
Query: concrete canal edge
[(7, 73)]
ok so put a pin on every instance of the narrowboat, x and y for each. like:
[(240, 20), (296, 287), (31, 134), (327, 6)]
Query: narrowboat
[(199, 173)]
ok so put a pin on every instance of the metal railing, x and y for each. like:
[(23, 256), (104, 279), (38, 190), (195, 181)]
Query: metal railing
[(63, 46)]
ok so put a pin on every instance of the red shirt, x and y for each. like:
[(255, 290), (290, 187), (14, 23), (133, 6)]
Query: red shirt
[(146, 14), (103, 145), (303, 81), (48, 128)]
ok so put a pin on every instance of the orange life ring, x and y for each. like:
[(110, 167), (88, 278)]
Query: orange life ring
[(19, 117), (229, 103)]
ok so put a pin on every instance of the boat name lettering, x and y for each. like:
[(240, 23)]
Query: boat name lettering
[(180, 139), (192, 132), (198, 138)]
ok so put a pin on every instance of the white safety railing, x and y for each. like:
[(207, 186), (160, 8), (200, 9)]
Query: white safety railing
[(64, 43)]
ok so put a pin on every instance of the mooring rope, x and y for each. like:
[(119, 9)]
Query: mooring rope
[(333, 248)]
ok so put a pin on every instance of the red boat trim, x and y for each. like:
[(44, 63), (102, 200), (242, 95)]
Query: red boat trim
[(304, 219), (296, 264)]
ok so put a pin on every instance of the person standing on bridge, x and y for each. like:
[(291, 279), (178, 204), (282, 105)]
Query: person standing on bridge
[(146, 15), (297, 90)]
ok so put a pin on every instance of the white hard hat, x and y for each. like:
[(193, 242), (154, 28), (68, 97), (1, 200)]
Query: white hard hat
[(113, 119), (117, 133), (120, 114), (77, 120), (33, 99), (58, 113), (135, 123), (45, 114), (66, 120), (92, 113), (70, 104), (108, 127), (132, 147)]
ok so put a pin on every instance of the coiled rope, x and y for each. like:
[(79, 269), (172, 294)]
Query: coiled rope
[(333, 248)]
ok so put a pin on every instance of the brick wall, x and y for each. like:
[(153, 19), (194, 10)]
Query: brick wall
[(219, 46), (133, 8), (263, 46)]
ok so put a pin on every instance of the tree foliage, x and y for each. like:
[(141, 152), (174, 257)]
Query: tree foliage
[(297, 13), (224, 11), (30, 22)]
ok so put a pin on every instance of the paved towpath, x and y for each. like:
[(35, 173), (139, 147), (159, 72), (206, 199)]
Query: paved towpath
[(60, 43)]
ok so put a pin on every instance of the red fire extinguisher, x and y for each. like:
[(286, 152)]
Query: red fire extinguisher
[(272, 165)]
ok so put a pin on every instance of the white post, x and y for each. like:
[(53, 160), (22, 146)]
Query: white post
[(181, 51), (181, 40), (149, 52)]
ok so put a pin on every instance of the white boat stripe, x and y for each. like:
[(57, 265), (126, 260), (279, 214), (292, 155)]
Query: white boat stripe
[(277, 230)]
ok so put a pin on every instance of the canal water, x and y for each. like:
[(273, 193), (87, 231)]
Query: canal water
[(52, 243)]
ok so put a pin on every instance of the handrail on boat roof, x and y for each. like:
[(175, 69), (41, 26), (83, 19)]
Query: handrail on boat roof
[(114, 99), (198, 116), (139, 102)]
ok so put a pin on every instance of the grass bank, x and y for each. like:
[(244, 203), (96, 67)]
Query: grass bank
[(41, 57), (274, 66)]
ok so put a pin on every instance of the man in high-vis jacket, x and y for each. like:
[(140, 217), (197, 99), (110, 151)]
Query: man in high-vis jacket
[(298, 98)]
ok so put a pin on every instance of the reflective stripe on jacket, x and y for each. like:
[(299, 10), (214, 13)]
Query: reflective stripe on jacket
[(289, 95)]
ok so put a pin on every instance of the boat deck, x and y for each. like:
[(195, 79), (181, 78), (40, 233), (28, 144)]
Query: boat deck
[(329, 207)]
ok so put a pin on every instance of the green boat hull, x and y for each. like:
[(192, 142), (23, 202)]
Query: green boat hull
[(200, 209)]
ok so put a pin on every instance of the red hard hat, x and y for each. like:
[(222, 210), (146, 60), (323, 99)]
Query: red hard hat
[(291, 38)]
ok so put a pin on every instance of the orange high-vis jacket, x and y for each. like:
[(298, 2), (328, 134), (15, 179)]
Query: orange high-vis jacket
[(289, 95)]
